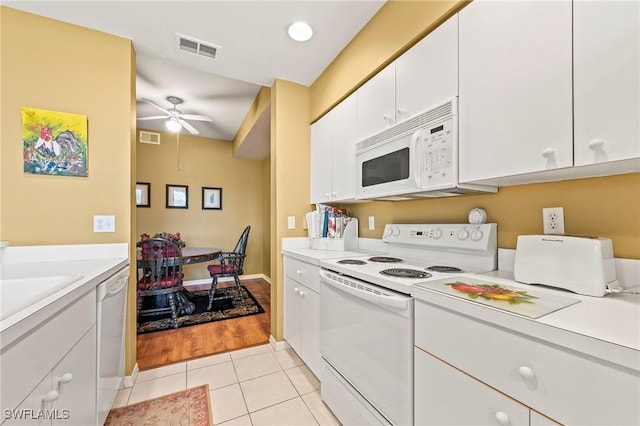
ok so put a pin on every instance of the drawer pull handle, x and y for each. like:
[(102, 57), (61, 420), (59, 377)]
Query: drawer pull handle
[(65, 378), (298, 271), (526, 373), (296, 290), (549, 153), (51, 396), (502, 418), (596, 144), (301, 293)]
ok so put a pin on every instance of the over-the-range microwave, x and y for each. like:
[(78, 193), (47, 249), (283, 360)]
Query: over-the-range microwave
[(417, 157)]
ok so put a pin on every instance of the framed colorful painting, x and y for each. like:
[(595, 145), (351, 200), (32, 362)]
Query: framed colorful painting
[(54, 143)]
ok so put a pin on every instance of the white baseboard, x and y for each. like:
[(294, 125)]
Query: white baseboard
[(278, 346), (129, 381), (242, 277)]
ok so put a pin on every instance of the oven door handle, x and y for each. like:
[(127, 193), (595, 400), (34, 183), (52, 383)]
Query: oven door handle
[(398, 303)]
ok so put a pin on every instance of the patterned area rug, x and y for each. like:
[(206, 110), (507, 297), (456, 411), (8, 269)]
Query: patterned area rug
[(229, 306), (185, 408)]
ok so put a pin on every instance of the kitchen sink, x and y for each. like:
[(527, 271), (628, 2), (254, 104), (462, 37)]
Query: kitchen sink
[(19, 293)]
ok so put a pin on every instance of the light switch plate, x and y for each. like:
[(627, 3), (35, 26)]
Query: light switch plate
[(372, 222), (291, 222), (103, 223)]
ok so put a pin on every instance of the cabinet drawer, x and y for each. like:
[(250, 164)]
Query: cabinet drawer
[(303, 272), (31, 357), (568, 386), (446, 396)]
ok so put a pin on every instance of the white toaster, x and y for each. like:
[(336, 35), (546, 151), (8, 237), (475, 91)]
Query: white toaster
[(584, 265)]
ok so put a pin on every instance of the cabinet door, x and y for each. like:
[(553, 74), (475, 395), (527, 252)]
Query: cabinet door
[(515, 88), (344, 129), (25, 414), (446, 396), (377, 103), (310, 330), (75, 377), (606, 83), (320, 163), (427, 74), (292, 313)]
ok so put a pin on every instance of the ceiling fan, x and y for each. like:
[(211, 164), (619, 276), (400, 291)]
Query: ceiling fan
[(175, 119)]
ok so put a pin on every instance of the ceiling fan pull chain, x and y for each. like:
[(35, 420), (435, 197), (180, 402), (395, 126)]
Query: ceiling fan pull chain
[(178, 150)]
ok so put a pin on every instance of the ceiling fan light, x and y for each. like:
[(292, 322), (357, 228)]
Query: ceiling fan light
[(300, 31), (173, 125)]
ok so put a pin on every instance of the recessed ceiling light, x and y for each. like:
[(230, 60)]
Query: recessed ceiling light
[(300, 31)]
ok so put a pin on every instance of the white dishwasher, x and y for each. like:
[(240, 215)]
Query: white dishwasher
[(111, 307)]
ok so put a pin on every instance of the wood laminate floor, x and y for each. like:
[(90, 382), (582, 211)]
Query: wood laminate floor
[(171, 346)]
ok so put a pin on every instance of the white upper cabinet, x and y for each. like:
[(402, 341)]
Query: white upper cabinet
[(377, 103), (606, 81), (515, 88), (333, 163), (321, 165), (427, 74)]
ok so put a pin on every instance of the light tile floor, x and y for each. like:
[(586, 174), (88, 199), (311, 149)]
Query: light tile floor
[(254, 386)]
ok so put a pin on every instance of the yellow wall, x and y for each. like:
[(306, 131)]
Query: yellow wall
[(266, 217), (196, 162), (52, 65), (290, 137), (36, 72), (607, 207), (258, 106)]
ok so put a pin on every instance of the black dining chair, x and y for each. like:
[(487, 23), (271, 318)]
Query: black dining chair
[(231, 264), (159, 273)]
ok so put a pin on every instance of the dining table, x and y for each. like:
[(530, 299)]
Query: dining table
[(190, 256)]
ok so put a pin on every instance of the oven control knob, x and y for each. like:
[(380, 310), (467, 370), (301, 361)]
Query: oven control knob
[(388, 231), (477, 235), (463, 235), (396, 232), (437, 233)]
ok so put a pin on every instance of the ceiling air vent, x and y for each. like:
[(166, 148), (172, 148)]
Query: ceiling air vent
[(149, 137), (196, 46)]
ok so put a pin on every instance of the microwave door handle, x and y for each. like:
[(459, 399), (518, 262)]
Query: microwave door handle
[(417, 162)]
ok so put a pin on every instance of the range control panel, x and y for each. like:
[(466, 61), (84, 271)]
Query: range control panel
[(463, 236)]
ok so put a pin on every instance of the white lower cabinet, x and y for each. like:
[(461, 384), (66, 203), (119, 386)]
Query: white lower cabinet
[(302, 311), (66, 396), (476, 369), (49, 375)]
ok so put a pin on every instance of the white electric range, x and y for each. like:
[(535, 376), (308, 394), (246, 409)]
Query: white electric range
[(366, 315)]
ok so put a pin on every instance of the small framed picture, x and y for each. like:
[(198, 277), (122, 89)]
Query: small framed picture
[(143, 191), (177, 196), (211, 198)]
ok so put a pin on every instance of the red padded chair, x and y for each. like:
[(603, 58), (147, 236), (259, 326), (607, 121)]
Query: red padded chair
[(159, 272), (231, 265)]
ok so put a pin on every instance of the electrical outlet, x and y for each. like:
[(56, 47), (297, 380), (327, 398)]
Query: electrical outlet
[(372, 222), (553, 220), (104, 224), (291, 222)]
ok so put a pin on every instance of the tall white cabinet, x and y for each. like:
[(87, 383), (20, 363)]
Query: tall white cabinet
[(515, 88), (333, 165), (302, 311), (606, 51)]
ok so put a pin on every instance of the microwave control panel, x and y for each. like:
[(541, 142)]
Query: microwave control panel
[(437, 150)]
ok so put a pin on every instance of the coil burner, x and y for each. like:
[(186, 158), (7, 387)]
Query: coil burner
[(352, 262), (405, 273), (445, 269), (385, 259)]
